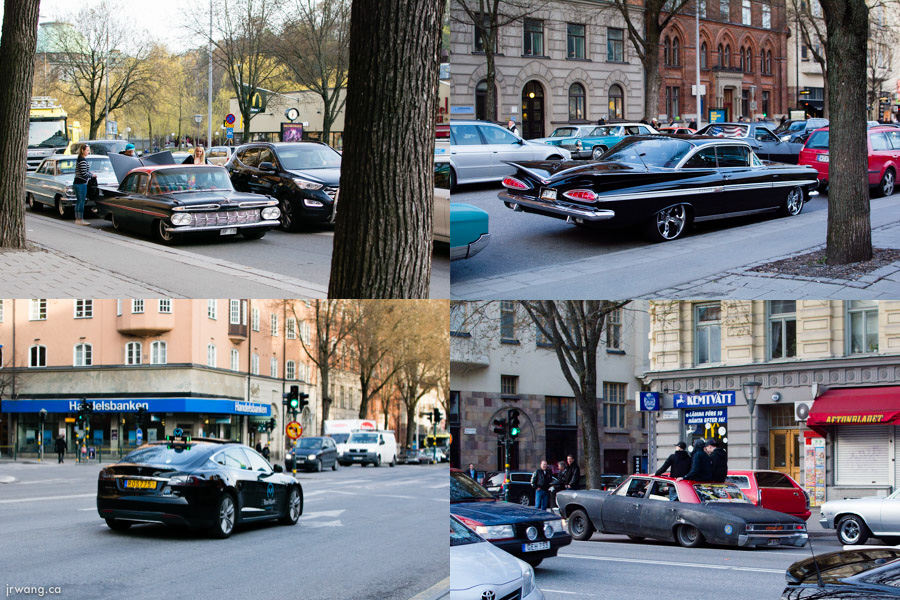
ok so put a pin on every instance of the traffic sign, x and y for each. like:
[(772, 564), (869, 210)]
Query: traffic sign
[(229, 133), (293, 430), (139, 436), (229, 118)]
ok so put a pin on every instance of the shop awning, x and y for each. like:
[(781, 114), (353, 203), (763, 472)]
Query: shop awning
[(855, 406)]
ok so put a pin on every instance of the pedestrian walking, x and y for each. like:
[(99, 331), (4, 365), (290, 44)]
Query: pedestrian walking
[(541, 480), (719, 462), (259, 447), (198, 157), (572, 474), (60, 447), (512, 127), (701, 463), (678, 464), (266, 453), (80, 184), (472, 472)]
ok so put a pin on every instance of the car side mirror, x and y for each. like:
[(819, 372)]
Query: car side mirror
[(278, 468), (266, 166)]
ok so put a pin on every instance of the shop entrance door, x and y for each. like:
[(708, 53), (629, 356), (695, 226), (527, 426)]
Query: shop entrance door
[(786, 452)]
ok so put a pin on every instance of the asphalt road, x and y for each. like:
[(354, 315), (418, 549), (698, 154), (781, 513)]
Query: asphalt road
[(521, 241), (612, 566), (365, 533)]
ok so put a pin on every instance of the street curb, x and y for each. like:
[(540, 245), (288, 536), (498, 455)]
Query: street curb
[(439, 590)]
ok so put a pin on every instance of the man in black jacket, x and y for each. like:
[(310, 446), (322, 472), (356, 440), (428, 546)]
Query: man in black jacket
[(679, 462), (60, 447), (701, 463), (572, 474), (541, 480), (719, 462)]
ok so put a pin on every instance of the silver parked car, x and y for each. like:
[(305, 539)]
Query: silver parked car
[(219, 155), (479, 151), (51, 183), (857, 519)]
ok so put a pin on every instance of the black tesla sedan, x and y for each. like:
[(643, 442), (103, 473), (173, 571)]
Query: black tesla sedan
[(303, 176), (201, 483)]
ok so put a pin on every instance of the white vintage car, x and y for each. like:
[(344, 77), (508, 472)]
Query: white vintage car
[(858, 519)]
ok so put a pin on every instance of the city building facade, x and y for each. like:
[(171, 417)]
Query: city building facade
[(498, 361), (827, 397)]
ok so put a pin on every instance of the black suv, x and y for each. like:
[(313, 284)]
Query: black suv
[(304, 176)]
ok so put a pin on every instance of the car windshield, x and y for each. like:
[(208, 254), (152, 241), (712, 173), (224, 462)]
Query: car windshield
[(607, 130), (719, 492), (176, 456), (340, 438), (308, 156), (309, 443), (460, 535), (98, 165), (464, 489), (363, 438), (47, 134), (564, 132), (657, 152), (190, 179), (725, 130), (818, 141)]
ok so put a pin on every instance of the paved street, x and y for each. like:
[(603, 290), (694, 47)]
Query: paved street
[(99, 261), (531, 256), (365, 533)]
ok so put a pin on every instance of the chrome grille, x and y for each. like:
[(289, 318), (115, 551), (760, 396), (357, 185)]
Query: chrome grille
[(226, 217)]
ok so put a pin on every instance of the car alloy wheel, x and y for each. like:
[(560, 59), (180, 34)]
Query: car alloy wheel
[(580, 526), (793, 204), (224, 517), (887, 183), (524, 500), (318, 466), (32, 204), (597, 152), (294, 508), (668, 224), (334, 465), (689, 536), (852, 530), (287, 214)]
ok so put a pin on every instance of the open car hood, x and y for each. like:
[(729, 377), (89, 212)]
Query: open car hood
[(123, 165)]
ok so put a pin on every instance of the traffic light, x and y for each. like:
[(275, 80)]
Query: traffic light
[(500, 427), (294, 397), (302, 401), (141, 416), (271, 425), (514, 428), (437, 415)]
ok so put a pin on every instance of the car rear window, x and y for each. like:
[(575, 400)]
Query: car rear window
[(520, 477), (818, 141), (742, 481), (177, 456), (773, 480), (564, 132)]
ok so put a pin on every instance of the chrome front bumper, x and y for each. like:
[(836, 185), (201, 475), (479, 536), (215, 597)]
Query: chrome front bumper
[(470, 250), (563, 209), (191, 229)]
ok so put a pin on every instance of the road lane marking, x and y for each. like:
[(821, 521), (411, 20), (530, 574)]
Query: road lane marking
[(51, 480), (318, 524), (391, 496), (91, 495), (322, 513), (667, 563), (545, 590)]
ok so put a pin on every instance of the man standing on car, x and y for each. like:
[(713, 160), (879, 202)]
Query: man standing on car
[(701, 463), (572, 474), (719, 462), (679, 462), (541, 481)]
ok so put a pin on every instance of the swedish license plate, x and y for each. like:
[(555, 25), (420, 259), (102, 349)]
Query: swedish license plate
[(547, 194), (822, 158), (535, 546), (358, 457), (774, 541), (228, 231), (140, 484)]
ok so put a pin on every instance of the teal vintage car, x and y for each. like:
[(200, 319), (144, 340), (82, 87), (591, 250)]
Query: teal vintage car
[(605, 137), (468, 230), (571, 138), (51, 183)]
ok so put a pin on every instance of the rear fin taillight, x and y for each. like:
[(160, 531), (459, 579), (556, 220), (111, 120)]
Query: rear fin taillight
[(581, 195), (515, 184)]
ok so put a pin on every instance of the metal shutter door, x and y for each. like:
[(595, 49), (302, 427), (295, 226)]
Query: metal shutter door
[(862, 455)]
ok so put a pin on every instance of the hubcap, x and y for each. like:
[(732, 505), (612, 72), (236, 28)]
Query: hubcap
[(795, 201), (61, 208), (597, 152), (295, 505), (226, 515), (524, 501), (670, 222)]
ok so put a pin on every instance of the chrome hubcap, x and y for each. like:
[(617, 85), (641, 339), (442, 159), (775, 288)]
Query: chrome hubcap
[(226, 515), (795, 201), (295, 505), (670, 222)]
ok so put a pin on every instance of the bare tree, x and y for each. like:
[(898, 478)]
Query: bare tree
[(573, 328), (807, 16), (314, 44), (379, 322), (17, 46), (383, 235), (880, 59), (104, 53)]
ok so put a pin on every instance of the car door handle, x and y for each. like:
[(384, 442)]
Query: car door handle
[(726, 176)]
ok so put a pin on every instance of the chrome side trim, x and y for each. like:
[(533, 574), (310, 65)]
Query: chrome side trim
[(470, 250), (257, 203)]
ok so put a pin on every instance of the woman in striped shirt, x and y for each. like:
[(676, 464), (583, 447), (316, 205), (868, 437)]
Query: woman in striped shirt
[(82, 176)]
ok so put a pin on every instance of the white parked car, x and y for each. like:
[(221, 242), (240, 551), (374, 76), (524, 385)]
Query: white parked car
[(370, 448), (858, 519), (478, 569)]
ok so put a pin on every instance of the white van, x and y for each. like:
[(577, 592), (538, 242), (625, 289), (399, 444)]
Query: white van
[(370, 447)]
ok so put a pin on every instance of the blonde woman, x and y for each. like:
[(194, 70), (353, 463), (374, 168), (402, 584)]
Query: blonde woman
[(198, 157), (82, 176)]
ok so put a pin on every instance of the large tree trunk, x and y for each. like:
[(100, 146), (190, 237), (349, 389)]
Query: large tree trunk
[(364, 400), (19, 39), (383, 236), (652, 77), (490, 99), (326, 399), (849, 230)]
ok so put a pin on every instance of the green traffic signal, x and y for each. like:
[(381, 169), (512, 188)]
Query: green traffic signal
[(513, 418)]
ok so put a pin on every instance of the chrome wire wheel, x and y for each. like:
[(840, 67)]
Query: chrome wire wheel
[(794, 203), (226, 515), (670, 222), (162, 233)]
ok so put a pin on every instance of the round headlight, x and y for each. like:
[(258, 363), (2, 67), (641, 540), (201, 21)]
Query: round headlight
[(179, 219), (270, 213), (548, 530)]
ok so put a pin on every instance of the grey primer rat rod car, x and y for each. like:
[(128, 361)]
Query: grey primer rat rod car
[(858, 519), (691, 513), (662, 184)]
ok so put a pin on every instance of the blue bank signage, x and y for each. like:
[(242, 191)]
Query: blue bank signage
[(153, 405), (727, 398), (648, 401), (706, 416)]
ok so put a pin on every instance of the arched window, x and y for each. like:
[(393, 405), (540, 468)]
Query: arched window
[(676, 52), (749, 55), (727, 56), (720, 57), (133, 353), (576, 102), (667, 51), (158, 353), (769, 62), (616, 102), (704, 50), (481, 100), (83, 355), (37, 356)]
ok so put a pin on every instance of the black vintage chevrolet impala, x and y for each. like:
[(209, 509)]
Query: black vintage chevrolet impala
[(661, 184)]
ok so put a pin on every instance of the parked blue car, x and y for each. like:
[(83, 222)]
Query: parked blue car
[(469, 232), (571, 138), (605, 137)]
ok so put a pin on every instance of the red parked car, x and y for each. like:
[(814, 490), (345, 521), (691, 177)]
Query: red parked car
[(773, 490), (884, 157)]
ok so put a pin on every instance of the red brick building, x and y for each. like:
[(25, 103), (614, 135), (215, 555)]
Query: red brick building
[(743, 60)]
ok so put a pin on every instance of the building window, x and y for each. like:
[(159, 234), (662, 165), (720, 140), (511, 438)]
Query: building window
[(304, 332), (254, 364), (273, 367), (724, 10), (211, 356), (667, 50), (481, 102), (290, 369), (720, 56), (137, 306), (672, 101), (676, 52), (37, 356), (82, 355), (614, 405), (708, 333), (84, 309), (133, 353), (235, 360), (254, 319), (766, 16), (118, 307), (616, 102), (614, 329), (781, 416), (234, 312), (290, 328), (615, 45), (576, 102), (804, 52), (458, 320), (862, 316), (508, 322), (765, 102), (509, 385), (158, 353), (541, 340), (769, 62), (560, 411), (728, 56), (274, 325), (165, 307), (702, 7), (486, 29), (37, 310), (533, 41), (704, 50), (575, 40), (211, 310), (782, 329), (745, 12)]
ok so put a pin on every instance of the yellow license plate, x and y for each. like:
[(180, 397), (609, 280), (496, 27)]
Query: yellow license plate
[(140, 484)]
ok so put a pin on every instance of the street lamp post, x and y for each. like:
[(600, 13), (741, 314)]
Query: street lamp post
[(751, 389), (43, 417)]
